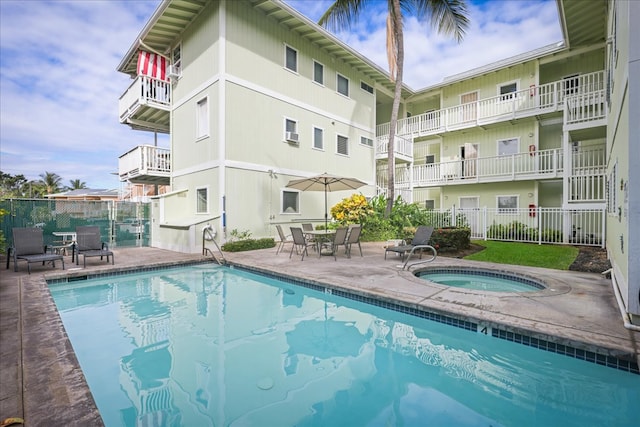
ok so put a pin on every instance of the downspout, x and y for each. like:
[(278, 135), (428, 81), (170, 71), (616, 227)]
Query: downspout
[(222, 94), (625, 316)]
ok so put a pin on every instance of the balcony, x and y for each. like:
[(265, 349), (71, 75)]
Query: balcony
[(145, 164), (146, 104), (582, 101), (585, 182)]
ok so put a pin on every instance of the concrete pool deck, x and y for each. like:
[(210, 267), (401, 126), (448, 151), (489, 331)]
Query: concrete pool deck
[(40, 379)]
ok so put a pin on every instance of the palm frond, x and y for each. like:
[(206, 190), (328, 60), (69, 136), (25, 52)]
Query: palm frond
[(342, 14)]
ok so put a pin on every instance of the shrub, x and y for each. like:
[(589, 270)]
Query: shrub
[(249, 244), (450, 239), (351, 210)]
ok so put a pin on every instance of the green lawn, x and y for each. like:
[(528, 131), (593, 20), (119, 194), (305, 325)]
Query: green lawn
[(548, 256)]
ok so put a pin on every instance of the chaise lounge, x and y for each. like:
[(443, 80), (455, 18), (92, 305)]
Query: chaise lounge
[(28, 245), (423, 234)]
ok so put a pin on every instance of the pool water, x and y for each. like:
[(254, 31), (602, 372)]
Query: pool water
[(481, 281), (212, 346)]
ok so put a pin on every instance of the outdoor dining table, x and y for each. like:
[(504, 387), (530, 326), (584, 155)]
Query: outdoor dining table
[(321, 236), (67, 242)]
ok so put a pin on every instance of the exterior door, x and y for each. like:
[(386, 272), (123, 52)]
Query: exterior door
[(470, 209), (469, 106), (469, 156)]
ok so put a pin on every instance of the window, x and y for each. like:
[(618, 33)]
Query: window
[(507, 147), (291, 59), (202, 118), (366, 141), (507, 204), (202, 205), (429, 204), (318, 138), (366, 87), (430, 159), (290, 202), (342, 145), (508, 91), (318, 73), (176, 59), (290, 130), (343, 85), (570, 84)]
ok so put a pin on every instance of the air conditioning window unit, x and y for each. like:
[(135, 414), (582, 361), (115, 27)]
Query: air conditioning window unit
[(173, 72), (292, 137)]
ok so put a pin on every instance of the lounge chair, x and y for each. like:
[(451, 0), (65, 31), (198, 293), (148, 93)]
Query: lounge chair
[(89, 244), (28, 245), (300, 242), (283, 239), (353, 239), (339, 239), (423, 234)]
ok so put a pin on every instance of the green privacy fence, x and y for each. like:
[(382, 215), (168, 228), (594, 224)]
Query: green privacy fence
[(122, 224)]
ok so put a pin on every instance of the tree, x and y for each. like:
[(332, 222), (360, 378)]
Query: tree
[(12, 186), (76, 184), (51, 182), (447, 16)]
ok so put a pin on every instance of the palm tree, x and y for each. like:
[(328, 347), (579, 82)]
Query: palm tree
[(447, 16), (76, 184), (51, 182)]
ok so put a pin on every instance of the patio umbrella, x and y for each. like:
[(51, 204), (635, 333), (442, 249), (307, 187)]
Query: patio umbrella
[(326, 183)]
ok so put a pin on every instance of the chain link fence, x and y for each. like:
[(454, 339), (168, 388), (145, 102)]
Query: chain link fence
[(122, 224)]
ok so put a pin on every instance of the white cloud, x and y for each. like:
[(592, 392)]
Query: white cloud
[(59, 87), (498, 29)]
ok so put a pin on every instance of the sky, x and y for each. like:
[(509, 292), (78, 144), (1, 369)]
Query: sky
[(59, 87)]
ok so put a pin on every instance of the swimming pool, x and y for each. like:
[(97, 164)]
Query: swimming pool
[(481, 279), (208, 345)]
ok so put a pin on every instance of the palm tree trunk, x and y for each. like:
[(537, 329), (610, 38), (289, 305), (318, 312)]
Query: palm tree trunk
[(396, 18)]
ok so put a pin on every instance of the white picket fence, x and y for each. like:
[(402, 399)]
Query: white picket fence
[(535, 225)]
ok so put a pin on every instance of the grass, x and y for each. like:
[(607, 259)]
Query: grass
[(546, 256)]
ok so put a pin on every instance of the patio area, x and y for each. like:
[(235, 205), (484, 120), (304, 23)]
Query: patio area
[(42, 382)]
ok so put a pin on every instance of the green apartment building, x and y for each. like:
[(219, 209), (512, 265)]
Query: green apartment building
[(254, 94)]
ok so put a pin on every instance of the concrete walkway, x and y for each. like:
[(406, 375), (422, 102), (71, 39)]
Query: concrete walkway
[(40, 379)]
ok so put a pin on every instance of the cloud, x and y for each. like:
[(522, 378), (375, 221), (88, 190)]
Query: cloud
[(60, 88), (498, 30)]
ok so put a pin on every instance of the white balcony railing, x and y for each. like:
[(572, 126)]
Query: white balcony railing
[(144, 163), (144, 90), (583, 97)]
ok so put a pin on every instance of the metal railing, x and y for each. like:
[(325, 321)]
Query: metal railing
[(532, 225), (584, 95)]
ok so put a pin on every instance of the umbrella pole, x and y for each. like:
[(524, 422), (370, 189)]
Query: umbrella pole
[(325, 208)]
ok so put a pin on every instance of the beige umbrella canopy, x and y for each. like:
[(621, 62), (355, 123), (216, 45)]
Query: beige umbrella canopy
[(326, 183)]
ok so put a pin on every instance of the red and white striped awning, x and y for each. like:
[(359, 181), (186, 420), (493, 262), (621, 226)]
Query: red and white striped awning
[(152, 65)]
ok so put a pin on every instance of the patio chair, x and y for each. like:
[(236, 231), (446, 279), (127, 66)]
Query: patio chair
[(423, 234), (283, 239), (310, 239), (339, 239), (28, 245), (353, 238), (299, 242), (89, 244)]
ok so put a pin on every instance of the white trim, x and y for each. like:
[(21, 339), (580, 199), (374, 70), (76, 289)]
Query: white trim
[(498, 141), (338, 135), (498, 196), (509, 95), (284, 65), (289, 190), (348, 95), (313, 72), (197, 190), (313, 138), (203, 115), (286, 119), (296, 103)]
